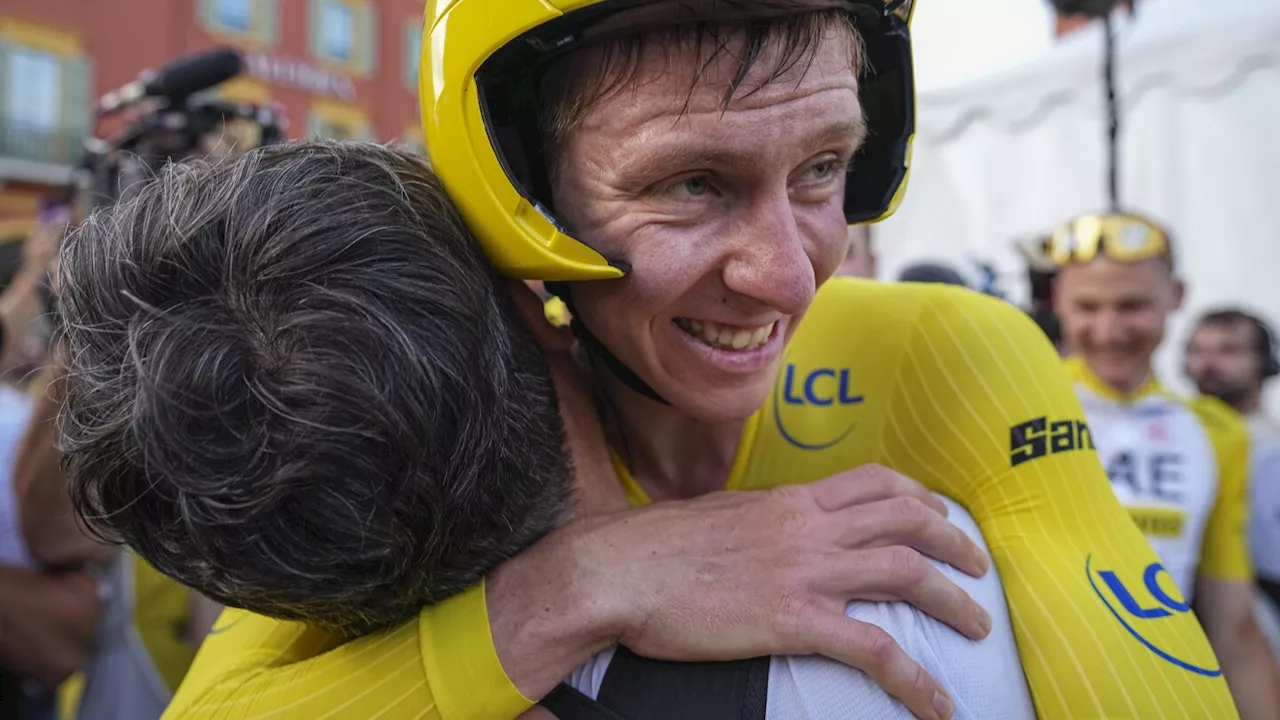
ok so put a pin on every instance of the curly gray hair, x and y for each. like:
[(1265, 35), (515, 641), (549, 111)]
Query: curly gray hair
[(296, 385)]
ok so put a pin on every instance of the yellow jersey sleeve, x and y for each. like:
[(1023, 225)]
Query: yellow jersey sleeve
[(441, 667), (983, 412), (161, 607), (1225, 552)]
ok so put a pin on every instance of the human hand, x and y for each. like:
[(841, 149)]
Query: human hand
[(41, 246), (49, 622), (736, 575)]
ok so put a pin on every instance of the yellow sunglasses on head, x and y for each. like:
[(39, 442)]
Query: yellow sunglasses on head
[(1120, 237)]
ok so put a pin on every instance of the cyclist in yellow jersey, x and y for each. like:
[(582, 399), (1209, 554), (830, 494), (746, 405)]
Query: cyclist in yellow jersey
[(1179, 466), (738, 214)]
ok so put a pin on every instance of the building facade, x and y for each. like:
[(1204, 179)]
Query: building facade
[(343, 69)]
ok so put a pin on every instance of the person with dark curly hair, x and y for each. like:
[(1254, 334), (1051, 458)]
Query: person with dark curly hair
[(331, 416)]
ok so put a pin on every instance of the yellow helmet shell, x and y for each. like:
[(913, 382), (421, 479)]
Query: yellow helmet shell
[(519, 234)]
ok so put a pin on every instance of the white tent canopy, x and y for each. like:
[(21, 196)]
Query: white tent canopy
[(1016, 153)]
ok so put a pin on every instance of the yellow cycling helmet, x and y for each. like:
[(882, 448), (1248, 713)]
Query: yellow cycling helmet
[(482, 61)]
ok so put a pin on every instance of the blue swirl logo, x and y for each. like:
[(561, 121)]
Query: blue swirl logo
[(1136, 617)]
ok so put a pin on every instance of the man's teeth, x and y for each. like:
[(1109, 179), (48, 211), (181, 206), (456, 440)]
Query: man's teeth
[(727, 338)]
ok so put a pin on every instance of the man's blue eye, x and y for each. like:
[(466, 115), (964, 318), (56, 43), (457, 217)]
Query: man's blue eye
[(696, 186)]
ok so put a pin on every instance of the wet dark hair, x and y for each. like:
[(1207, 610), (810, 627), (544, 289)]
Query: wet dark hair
[(296, 385), (589, 75)]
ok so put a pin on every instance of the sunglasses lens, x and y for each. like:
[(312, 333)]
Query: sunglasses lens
[(1123, 239), (1130, 240)]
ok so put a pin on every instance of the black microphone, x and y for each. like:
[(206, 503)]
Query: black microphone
[(179, 79)]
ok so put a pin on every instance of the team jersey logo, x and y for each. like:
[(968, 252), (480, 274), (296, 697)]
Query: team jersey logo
[(807, 406), (1145, 606), (1159, 476), (1040, 436)]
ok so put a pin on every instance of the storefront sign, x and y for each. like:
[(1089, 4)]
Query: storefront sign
[(299, 75)]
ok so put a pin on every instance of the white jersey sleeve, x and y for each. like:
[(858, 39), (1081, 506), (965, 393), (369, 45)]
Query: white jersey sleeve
[(1264, 497), (985, 679)]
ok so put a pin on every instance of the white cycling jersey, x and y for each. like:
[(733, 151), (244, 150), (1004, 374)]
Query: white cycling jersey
[(1264, 496), (985, 679), (1179, 466)]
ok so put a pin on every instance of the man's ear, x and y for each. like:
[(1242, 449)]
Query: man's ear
[(532, 311)]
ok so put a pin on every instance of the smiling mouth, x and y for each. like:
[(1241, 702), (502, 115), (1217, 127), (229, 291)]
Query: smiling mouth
[(721, 337)]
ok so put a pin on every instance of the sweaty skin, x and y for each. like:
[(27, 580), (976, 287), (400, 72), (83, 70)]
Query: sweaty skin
[(728, 216)]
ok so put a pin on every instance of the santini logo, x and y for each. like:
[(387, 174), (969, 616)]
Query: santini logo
[(1141, 605), (1039, 437), (806, 406)]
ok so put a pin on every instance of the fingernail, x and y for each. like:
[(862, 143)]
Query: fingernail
[(984, 621), (942, 705)]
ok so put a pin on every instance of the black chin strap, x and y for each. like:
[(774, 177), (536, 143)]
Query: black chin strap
[(625, 374)]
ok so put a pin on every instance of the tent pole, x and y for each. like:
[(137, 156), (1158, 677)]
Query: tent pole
[(1113, 115)]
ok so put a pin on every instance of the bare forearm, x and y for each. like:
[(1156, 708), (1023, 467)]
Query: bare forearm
[(1251, 673), (546, 615), (18, 307)]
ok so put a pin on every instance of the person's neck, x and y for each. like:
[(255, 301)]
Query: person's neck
[(1251, 404), (1131, 385), (670, 455)]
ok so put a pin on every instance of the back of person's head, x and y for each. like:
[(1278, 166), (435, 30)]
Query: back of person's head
[(296, 385)]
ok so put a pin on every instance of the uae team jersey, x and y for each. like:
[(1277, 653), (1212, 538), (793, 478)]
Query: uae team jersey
[(1180, 467), (958, 390)]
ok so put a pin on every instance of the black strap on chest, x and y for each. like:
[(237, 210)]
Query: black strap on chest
[(638, 688)]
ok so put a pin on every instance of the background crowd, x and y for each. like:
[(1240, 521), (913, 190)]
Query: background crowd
[(1002, 160)]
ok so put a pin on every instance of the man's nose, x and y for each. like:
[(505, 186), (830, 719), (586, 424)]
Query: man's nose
[(767, 259), (1108, 328)]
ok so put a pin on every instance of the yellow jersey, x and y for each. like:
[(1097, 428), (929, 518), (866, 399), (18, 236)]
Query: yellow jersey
[(955, 389)]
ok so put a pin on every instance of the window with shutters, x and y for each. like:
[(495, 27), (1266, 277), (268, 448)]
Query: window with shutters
[(337, 31), (34, 88), (344, 35), (412, 53), (235, 14), (247, 22), (45, 93)]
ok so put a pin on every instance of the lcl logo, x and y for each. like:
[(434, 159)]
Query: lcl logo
[(1137, 614), (805, 402)]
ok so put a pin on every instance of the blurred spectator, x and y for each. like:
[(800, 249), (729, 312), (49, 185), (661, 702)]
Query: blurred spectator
[(861, 259), (134, 644), (1231, 355), (1179, 465), (151, 626), (1041, 270), (47, 620), (932, 272)]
